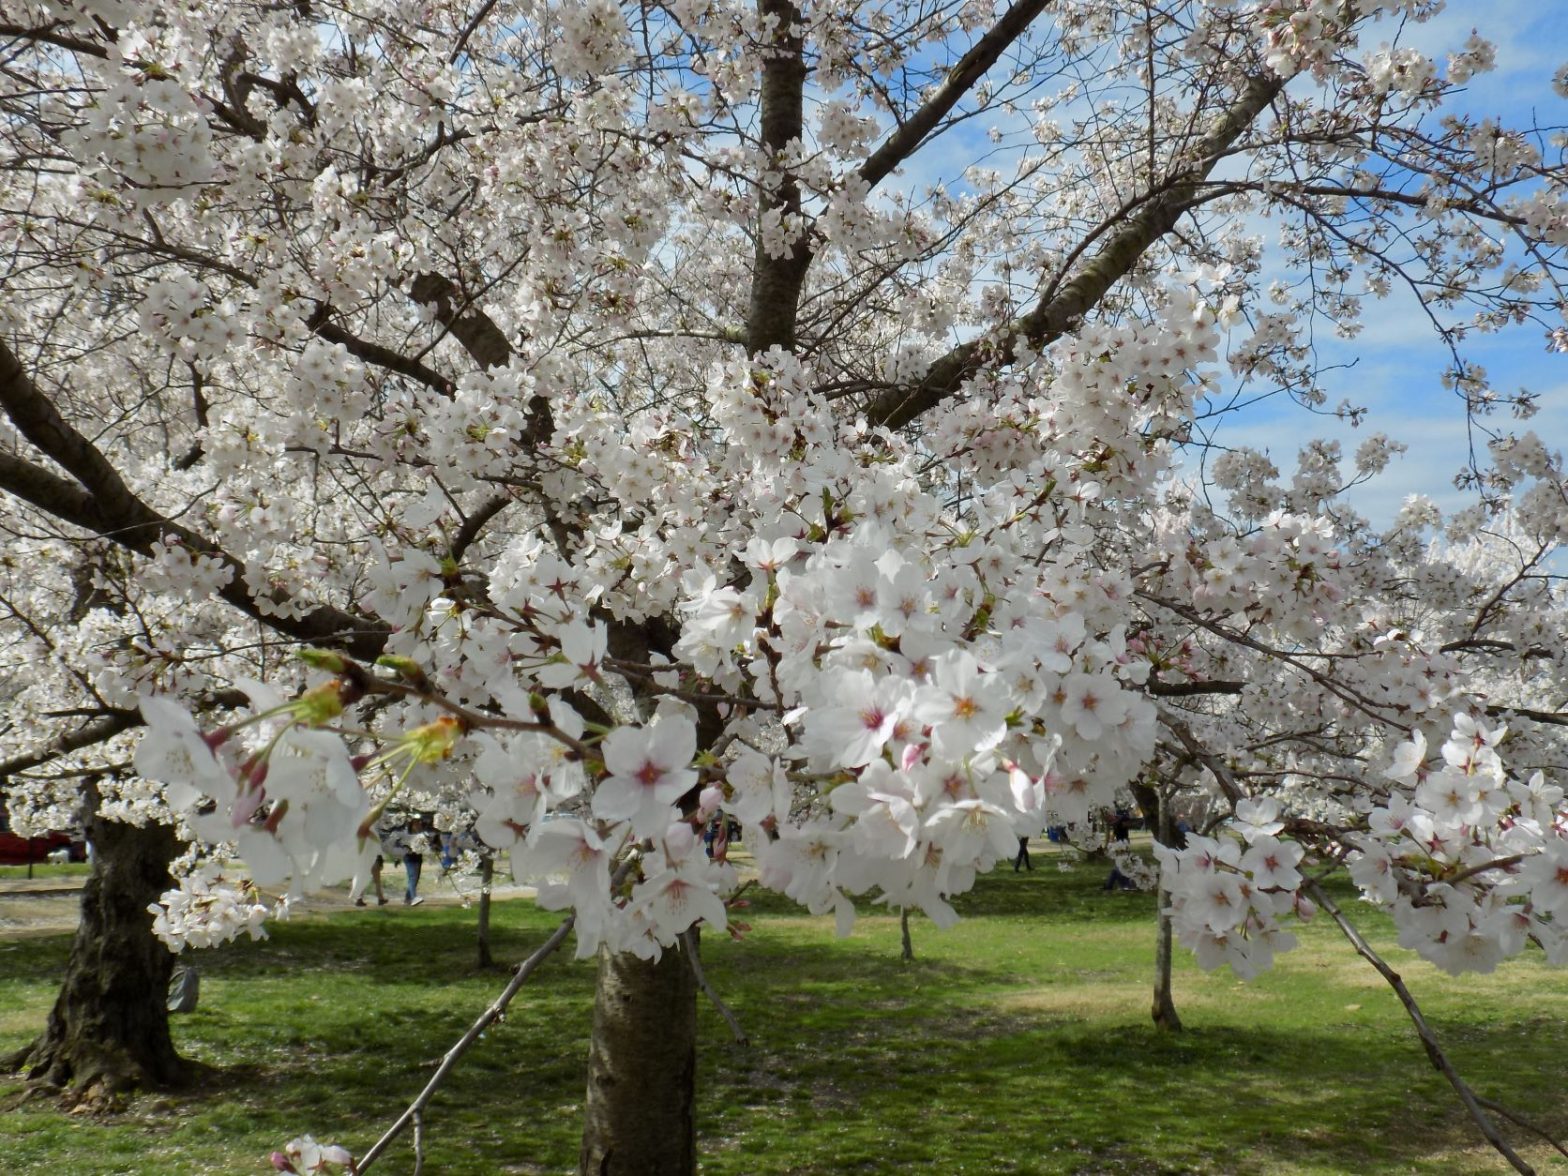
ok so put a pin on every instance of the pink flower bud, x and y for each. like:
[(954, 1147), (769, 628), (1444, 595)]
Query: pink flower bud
[(679, 840)]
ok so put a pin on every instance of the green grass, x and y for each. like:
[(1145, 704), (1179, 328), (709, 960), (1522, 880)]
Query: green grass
[(48, 870), (1018, 1042)]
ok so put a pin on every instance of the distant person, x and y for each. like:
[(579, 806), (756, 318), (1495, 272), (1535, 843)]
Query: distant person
[(375, 867), (449, 852), (1121, 826), (410, 843), (1022, 860)]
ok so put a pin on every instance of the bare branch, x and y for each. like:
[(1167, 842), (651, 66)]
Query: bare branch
[(966, 72), (415, 1111), (1434, 1051), (689, 949), (1061, 308)]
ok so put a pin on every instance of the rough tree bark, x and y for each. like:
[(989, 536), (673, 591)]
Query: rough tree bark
[(486, 881), (109, 1029), (1156, 802), (642, 1064)]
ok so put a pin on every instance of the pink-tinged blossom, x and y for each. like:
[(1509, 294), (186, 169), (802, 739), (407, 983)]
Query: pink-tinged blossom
[(857, 718), (760, 789), (649, 770), (1452, 797), (677, 897), (1091, 703), (1391, 821), (524, 779), (769, 555), (965, 708), (1271, 863), (973, 831), (1408, 758), (1547, 878), (583, 648), (1217, 901), (571, 859)]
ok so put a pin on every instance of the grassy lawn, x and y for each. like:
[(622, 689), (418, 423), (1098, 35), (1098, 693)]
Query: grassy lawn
[(1018, 1042), (48, 870)]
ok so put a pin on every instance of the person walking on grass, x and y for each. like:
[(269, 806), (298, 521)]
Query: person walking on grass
[(417, 841), (1022, 860), (375, 867)]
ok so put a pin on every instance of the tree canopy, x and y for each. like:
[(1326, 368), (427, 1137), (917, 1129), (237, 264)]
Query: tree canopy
[(636, 413)]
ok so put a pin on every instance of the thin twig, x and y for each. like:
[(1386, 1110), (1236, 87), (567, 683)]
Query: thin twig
[(1515, 1117), (419, 1143), (415, 1110), (1434, 1051), (689, 949)]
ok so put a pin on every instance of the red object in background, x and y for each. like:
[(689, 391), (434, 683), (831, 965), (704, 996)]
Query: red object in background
[(22, 851)]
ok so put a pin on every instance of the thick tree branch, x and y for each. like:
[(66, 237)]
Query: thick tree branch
[(98, 731), (962, 78), (485, 342), (1191, 689), (772, 318), (383, 357), (105, 505), (1059, 310), (777, 279), (478, 334), (49, 34), (101, 730)]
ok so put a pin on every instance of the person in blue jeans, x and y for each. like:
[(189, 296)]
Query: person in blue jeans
[(413, 860)]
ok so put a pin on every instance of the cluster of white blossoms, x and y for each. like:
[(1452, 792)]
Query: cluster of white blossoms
[(1227, 893), (893, 690), (1472, 864), (209, 908)]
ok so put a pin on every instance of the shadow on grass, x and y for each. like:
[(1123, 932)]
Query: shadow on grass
[(860, 1064)]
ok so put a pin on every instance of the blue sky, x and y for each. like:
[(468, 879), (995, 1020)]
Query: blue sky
[(1397, 362), (1395, 367)]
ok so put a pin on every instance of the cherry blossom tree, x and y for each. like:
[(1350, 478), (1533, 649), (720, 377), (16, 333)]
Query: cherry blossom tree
[(632, 414)]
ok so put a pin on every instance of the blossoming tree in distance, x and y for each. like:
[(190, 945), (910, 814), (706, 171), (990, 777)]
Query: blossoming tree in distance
[(595, 418)]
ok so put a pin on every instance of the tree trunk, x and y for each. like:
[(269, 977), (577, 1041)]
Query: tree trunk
[(486, 880), (642, 1068), (109, 1029), (909, 944), (1164, 1009)]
